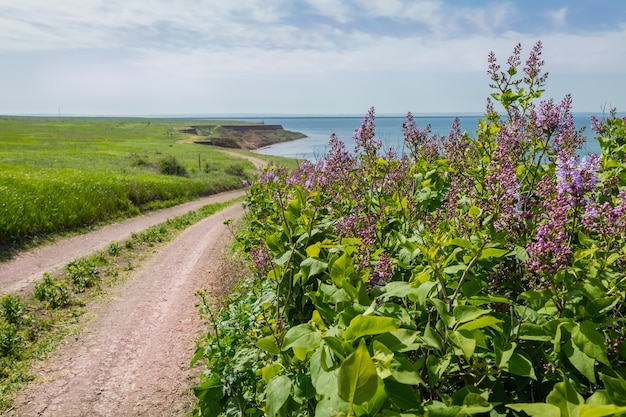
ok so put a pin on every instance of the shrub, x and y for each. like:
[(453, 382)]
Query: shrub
[(52, 291), (83, 274), (10, 340), (235, 170), (171, 166), (471, 276), (13, 309)]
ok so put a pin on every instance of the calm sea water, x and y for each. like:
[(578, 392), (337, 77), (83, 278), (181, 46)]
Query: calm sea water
[(388, 129)]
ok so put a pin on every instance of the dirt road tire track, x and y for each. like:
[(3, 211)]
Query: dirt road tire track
[(133, 358), (18, 274)]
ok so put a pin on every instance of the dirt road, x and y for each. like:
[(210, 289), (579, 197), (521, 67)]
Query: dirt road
[(132, 358), (19, 273)]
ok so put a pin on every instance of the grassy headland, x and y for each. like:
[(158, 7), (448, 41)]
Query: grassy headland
[(62, 174)]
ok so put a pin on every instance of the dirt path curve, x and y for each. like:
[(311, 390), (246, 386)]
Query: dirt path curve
[(19, 273), (133, 358)]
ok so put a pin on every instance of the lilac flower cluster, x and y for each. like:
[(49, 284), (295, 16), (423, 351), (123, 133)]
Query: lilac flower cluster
[(533, 66), (383, 271), (261, 258), (357, 224), (421, 145), (550, 250), (363, 137), (576, 179), (607, 219), (553, 124)]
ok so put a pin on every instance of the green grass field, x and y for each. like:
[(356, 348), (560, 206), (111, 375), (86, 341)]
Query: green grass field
[(62, 174)]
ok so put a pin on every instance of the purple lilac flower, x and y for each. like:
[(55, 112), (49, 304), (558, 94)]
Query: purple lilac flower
[(607, 219), (364, 137), (533, 66), (503, 189), (576, 179), (262, 259), (383, 271), (418, 141)]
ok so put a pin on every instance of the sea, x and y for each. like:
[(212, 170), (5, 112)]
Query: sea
[(318, 130)]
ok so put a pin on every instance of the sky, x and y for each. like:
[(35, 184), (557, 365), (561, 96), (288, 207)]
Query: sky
[(298, 57)]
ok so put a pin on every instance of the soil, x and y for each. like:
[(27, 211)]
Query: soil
[(132, 356)]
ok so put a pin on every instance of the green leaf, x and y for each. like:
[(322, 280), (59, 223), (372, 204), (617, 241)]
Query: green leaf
[(268, 344), (474, 403), (358, 380), (405, 371), (400, 340), (210, 396), (303, 336), (492, 253), (342, 269), (482, 322), (270, 371), (277, 393), (583, 363), (615, 388), (313, 266), (530, 331), (370, 325), (463, 314), (600, 410), (465, 340), (566, 398), (401, 395), (536, 409), (521, 365), (601, 306), (590, 341)]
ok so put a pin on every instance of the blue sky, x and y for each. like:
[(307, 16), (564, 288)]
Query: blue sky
[(157, 57)]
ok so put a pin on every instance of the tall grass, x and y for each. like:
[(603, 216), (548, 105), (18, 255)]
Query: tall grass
[(58, 174), (42, 201)]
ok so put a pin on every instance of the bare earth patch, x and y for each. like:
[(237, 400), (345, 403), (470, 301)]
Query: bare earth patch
[(132, 358)]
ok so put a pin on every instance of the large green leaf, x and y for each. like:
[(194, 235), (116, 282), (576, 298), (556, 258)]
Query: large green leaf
[(268, 344), (482, 322), (492, 253), (277, 393), (370, 325), (463, 314), (303, 336), (401, 395), (537, 409), (601, 410), (465, 340), (342, 269), (583, 363), (530, 331), (313, 266), (520, 364), (566, 398), (590, 341), (358, 379)]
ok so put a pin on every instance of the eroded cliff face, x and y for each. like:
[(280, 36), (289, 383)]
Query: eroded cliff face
[(243, 136)]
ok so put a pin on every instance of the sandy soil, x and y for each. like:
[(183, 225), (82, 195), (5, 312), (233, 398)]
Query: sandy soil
[(132, 358)]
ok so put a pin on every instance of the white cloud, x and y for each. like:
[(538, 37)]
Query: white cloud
[(558, 17)]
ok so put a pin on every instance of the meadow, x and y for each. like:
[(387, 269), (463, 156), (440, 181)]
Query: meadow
[(63, 174), (472, 275)]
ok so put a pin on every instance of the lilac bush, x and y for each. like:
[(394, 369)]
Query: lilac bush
[(474, 274)]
